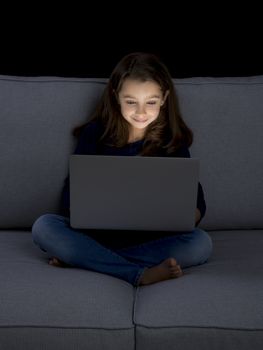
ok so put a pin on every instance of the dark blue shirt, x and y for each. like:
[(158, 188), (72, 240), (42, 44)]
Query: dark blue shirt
[(88, 144)]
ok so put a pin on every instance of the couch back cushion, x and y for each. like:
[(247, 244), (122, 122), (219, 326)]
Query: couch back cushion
[(38, 115), (226, 115)]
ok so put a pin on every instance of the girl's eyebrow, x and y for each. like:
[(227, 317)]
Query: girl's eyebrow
[(151, 96)]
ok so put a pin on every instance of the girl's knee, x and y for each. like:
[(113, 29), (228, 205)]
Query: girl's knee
[(43, 224), (203, 246), (194, 248), (47, 219)]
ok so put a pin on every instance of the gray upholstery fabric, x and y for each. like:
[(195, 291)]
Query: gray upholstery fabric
[(64, 306), (38, 114), (57, 338), (211, 295), (218, 305), (185, 338), (226, 117)]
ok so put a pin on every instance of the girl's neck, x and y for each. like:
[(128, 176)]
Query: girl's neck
[(135, 139), (135, 136)]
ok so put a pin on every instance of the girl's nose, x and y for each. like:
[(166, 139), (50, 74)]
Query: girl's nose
[(140, 110)]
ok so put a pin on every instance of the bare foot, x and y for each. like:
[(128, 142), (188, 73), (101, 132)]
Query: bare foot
[(164, 271), (56, 262)]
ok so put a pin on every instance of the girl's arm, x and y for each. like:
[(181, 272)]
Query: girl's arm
[(87, 143), (201, 205)]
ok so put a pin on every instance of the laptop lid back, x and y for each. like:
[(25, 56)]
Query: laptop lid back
[(133, 192)]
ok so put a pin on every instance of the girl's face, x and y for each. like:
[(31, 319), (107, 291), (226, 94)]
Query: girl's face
[(140, 104)]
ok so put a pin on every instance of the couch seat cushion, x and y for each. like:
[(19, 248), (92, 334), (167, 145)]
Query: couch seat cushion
[(220, 302), (67, 306)]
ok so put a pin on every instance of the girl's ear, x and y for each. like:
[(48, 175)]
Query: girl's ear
[(165, 97)]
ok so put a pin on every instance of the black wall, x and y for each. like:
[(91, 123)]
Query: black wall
[(226, 45), (91, 62)]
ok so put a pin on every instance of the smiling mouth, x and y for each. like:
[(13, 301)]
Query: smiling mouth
[(140, 121)]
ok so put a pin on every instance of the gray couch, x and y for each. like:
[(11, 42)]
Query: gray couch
[(218, 305)]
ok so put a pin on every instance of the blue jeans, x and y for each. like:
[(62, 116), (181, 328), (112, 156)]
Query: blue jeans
[(53, 234)]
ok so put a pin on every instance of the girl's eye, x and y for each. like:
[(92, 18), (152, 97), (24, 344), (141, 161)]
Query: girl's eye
[(151, 103), (130, 102)]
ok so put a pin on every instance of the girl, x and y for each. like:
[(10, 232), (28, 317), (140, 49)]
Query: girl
[(138, 115)]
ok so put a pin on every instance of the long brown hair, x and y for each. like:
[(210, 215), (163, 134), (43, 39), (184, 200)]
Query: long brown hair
[(168, 132)]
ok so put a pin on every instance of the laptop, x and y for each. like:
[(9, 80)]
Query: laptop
[(133, 192)]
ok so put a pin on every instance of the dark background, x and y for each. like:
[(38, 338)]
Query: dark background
[(195, 41)]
